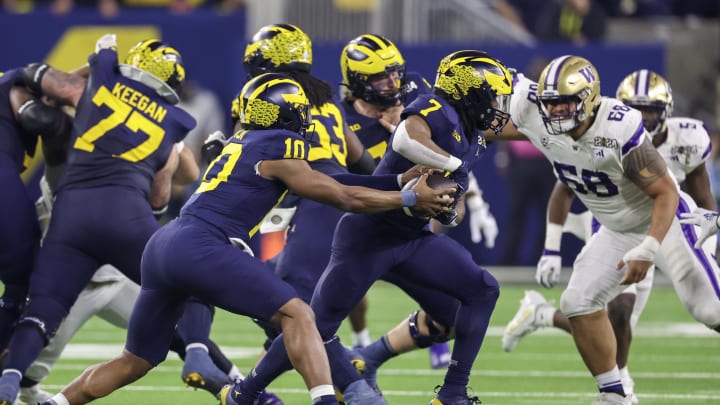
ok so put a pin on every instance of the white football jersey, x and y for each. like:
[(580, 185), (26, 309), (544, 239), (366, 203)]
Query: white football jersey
[(686, 147), (592, 165)]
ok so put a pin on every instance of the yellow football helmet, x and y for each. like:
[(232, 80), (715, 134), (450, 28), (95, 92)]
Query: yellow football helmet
[(471, 81), (564, 79), (158, 64), (368, 57), (272, 101), (646, 90), (278, 48)]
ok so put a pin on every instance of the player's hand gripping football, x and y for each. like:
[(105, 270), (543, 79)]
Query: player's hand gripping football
[(432, 201)]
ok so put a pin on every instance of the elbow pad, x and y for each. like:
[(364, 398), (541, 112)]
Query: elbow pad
[(33, 74), (36, 117), (418, 153)]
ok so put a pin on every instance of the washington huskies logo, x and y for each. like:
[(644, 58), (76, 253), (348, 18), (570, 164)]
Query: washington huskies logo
[(587, 73)]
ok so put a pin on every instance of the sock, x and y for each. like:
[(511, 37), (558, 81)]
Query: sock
[(545, 315), (610, 382), (377, 352), (59, 399), (342, 369), (361, 339), (274, 363), (321, 391)]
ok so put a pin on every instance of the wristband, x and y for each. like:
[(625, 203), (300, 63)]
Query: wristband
[(33, 75), (547, 252), (159, 212), (409, 198), (179, 146), (553, 236)]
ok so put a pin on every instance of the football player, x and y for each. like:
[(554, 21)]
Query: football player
[(685, 145), (109, 294), (334, 148), (19, 231), (440, 130), (377, 86), (204, 252), (603, 154), (120, 164)]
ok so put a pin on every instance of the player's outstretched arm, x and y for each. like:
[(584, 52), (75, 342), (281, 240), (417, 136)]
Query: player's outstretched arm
[(305, 182), (63, 87)]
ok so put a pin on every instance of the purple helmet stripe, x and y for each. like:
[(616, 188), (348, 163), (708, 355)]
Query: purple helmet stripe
[(553, 74)]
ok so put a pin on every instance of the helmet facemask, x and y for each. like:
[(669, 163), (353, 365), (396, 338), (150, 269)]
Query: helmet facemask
[(361, 87), (562, 124)]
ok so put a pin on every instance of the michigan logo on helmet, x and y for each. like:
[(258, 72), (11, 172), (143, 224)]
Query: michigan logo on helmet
[(272, 101), (478, 85), (573, 80), (646, 90), (156, 65), (370, 57), (278, 48)]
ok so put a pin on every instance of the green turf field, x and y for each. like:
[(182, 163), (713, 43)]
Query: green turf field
[(673, 360)]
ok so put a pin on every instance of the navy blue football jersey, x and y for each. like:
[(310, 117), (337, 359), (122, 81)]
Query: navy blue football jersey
[(123, 132), (232, 196), (447, 133)]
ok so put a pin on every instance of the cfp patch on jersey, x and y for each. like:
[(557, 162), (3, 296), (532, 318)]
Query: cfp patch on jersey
[(602, 142)]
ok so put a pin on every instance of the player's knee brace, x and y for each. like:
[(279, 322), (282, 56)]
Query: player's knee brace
[(574, 303), (435, 336), (12, 305), (37, 117), (38, 324)]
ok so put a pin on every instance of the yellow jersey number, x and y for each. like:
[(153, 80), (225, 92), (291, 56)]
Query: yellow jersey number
[(329, 130), (294, 149), (121, 114)]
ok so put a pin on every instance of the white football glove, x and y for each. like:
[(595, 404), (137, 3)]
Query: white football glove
[(482, 222), (706, 220), (548, 269), (106, 41)]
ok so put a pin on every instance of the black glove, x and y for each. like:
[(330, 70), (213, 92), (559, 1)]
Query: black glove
[(212, 147)]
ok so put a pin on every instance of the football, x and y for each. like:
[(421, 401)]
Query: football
[(435, 181)]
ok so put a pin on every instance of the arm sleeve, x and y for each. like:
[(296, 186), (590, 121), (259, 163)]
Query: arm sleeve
[(387, 182)]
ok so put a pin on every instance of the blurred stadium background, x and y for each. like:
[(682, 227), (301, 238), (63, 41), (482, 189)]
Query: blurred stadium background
[(678, 39)]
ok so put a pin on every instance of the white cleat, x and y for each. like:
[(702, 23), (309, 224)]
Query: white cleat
[(629, 388), (32, 395), (611, 398), (524, 321)]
